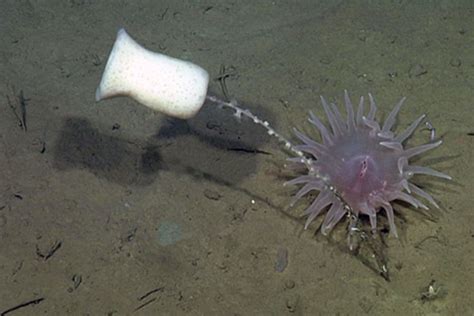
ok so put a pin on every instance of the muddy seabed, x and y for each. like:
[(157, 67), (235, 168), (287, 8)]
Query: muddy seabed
[(110, 209)]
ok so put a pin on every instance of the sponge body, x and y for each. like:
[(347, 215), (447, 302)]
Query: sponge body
[(172, 86)]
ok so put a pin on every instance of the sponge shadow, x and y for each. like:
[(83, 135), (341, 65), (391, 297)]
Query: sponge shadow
[(213, 145)]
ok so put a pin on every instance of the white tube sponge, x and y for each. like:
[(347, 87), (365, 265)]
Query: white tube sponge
[(174, 87)]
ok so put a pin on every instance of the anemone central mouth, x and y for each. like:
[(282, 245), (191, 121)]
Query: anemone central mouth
[(359, 171), (364, 165)]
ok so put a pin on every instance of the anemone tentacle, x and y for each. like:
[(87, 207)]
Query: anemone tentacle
[(367, 164)]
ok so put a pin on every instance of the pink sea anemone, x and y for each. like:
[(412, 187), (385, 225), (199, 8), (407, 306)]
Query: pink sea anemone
[(367, 165)]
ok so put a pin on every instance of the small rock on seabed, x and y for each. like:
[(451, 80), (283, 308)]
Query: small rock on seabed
[(281, 261)]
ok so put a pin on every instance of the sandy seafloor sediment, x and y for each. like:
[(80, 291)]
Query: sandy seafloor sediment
[(111, 209)]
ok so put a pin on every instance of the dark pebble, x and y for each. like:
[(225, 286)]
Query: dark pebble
[(212, 195), (417, 71), (291, 303), (325, 60), (455, 62), (290, 284), (281, 261)]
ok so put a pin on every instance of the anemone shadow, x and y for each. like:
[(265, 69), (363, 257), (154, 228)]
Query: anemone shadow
[(218, 148), (212, 143)]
